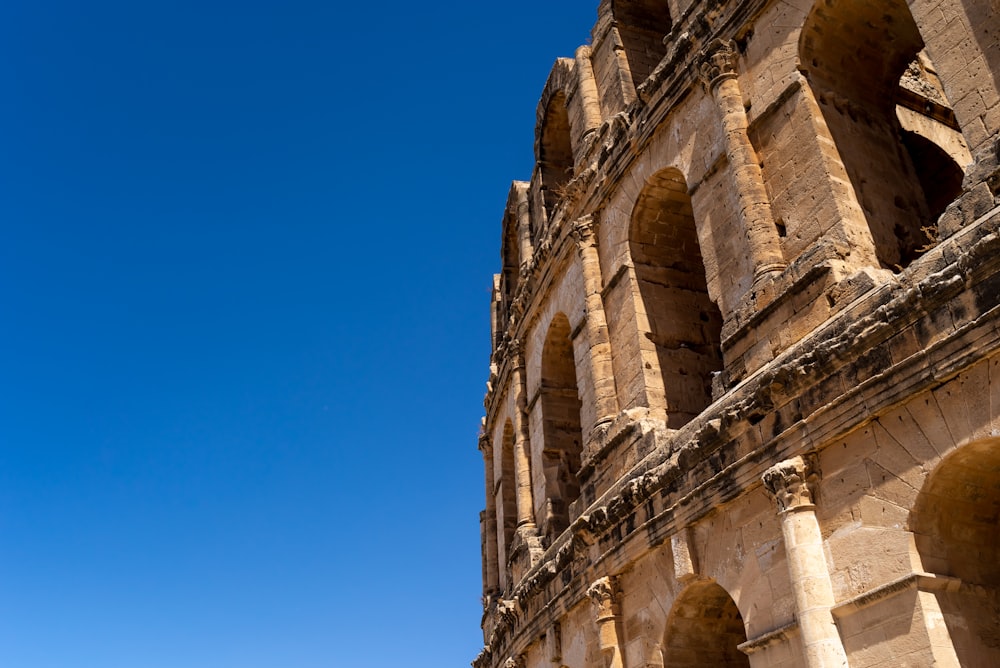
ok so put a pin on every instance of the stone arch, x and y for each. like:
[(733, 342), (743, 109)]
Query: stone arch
[(642, 25), (856, 56), (510, 255), (507, 506), (562, 431), (956, 525), (704, 628), (555, 151), (681, 320)]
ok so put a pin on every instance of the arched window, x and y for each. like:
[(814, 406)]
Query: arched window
[(683, 323), (563, 435), (704, 628), (956, 526), (555, 151), (642, 25), (856, 55)]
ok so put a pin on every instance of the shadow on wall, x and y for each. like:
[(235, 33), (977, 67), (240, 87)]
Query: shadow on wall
[(984, 17)]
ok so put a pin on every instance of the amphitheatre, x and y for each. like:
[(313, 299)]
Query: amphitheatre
[(744, 393)]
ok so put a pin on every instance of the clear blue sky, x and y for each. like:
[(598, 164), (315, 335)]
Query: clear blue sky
[(245, 265)]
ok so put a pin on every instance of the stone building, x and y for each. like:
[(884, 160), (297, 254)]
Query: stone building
[(744, 401)]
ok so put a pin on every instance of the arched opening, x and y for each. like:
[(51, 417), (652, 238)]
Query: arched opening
[(865, 63), (642, 25), (508, 493), (555, 152), (511, 258), (563, 435), (685, 325), (940, 176), (704, 628), (956, 527)]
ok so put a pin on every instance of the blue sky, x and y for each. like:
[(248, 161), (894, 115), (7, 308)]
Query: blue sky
[(244, 285)]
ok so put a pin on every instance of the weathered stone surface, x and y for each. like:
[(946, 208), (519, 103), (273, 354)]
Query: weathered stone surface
[(744, 398)]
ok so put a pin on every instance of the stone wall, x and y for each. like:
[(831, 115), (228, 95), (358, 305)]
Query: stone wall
[(744, 398)]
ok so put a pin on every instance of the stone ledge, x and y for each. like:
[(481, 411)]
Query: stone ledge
[(919, 581), (773, 637)]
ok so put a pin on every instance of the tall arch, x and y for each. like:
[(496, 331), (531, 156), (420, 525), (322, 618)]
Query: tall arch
[(642, 25), (856, 55), (704, 628), (555, 151), (684, 324), (510, 246), (507, 503), (562, 433), (956, 527)]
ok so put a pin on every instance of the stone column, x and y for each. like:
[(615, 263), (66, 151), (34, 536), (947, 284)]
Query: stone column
[(718, 71), (522, 455), (788, 482), (488, 524), (602, 370), (524, 223), (589, 95), (604, 595)]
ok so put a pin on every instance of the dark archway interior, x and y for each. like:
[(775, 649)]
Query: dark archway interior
[(854, 53), (562, 431), (508, 494), (685, 325), (555, 157), (705, 628), (642, 25)]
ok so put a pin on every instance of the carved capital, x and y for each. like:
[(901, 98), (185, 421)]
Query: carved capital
[(584, 231), (515, 352), (507, 612), (718, 62), (514, 662), (485, 444), (790, 483), (604, 595), (516, 308)]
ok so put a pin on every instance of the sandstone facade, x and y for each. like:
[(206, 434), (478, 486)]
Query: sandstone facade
[(744, 402)]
